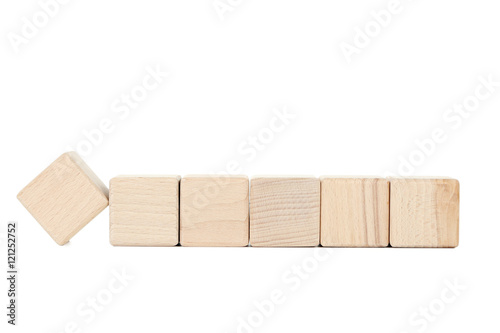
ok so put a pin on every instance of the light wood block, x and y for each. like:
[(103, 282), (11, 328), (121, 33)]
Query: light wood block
[(354, 212), (424, 212), (144, 210), (65, 197), (214, 211), (284, 211)]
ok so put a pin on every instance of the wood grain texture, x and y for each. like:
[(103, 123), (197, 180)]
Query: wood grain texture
[(144, 210), (284, 211), (214, 211), (354, 212), (424, 212), (65, 197)]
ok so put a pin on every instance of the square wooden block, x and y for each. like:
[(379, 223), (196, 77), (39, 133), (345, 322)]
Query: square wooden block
[(214, 211), (144, 210), (424, 212), (284, 211), (354, 212), (65, 197)]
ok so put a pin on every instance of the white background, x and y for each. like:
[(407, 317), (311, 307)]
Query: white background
[(225, 79)]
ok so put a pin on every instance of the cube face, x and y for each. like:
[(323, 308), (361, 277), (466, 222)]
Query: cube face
[(214, 211), (424, 212), (65, 197), (354, 212), (144, 211), (284, 211)]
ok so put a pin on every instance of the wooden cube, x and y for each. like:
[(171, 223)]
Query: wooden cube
[(214, 211), (354, 212), (424, 212), (65, 197), (284, 211), (144, 210)]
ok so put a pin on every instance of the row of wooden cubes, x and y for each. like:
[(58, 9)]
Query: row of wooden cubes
[(283, 211)]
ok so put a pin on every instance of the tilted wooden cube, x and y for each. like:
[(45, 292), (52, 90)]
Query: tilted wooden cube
[(424, 212), (144, 210), (65, 197), (214, 211), (284, 211), (354, 212)]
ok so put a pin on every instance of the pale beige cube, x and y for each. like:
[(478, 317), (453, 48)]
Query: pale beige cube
[(424, 212), (144, 210), (284, 211), (354, 212), (214, 210), (65, 197)]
